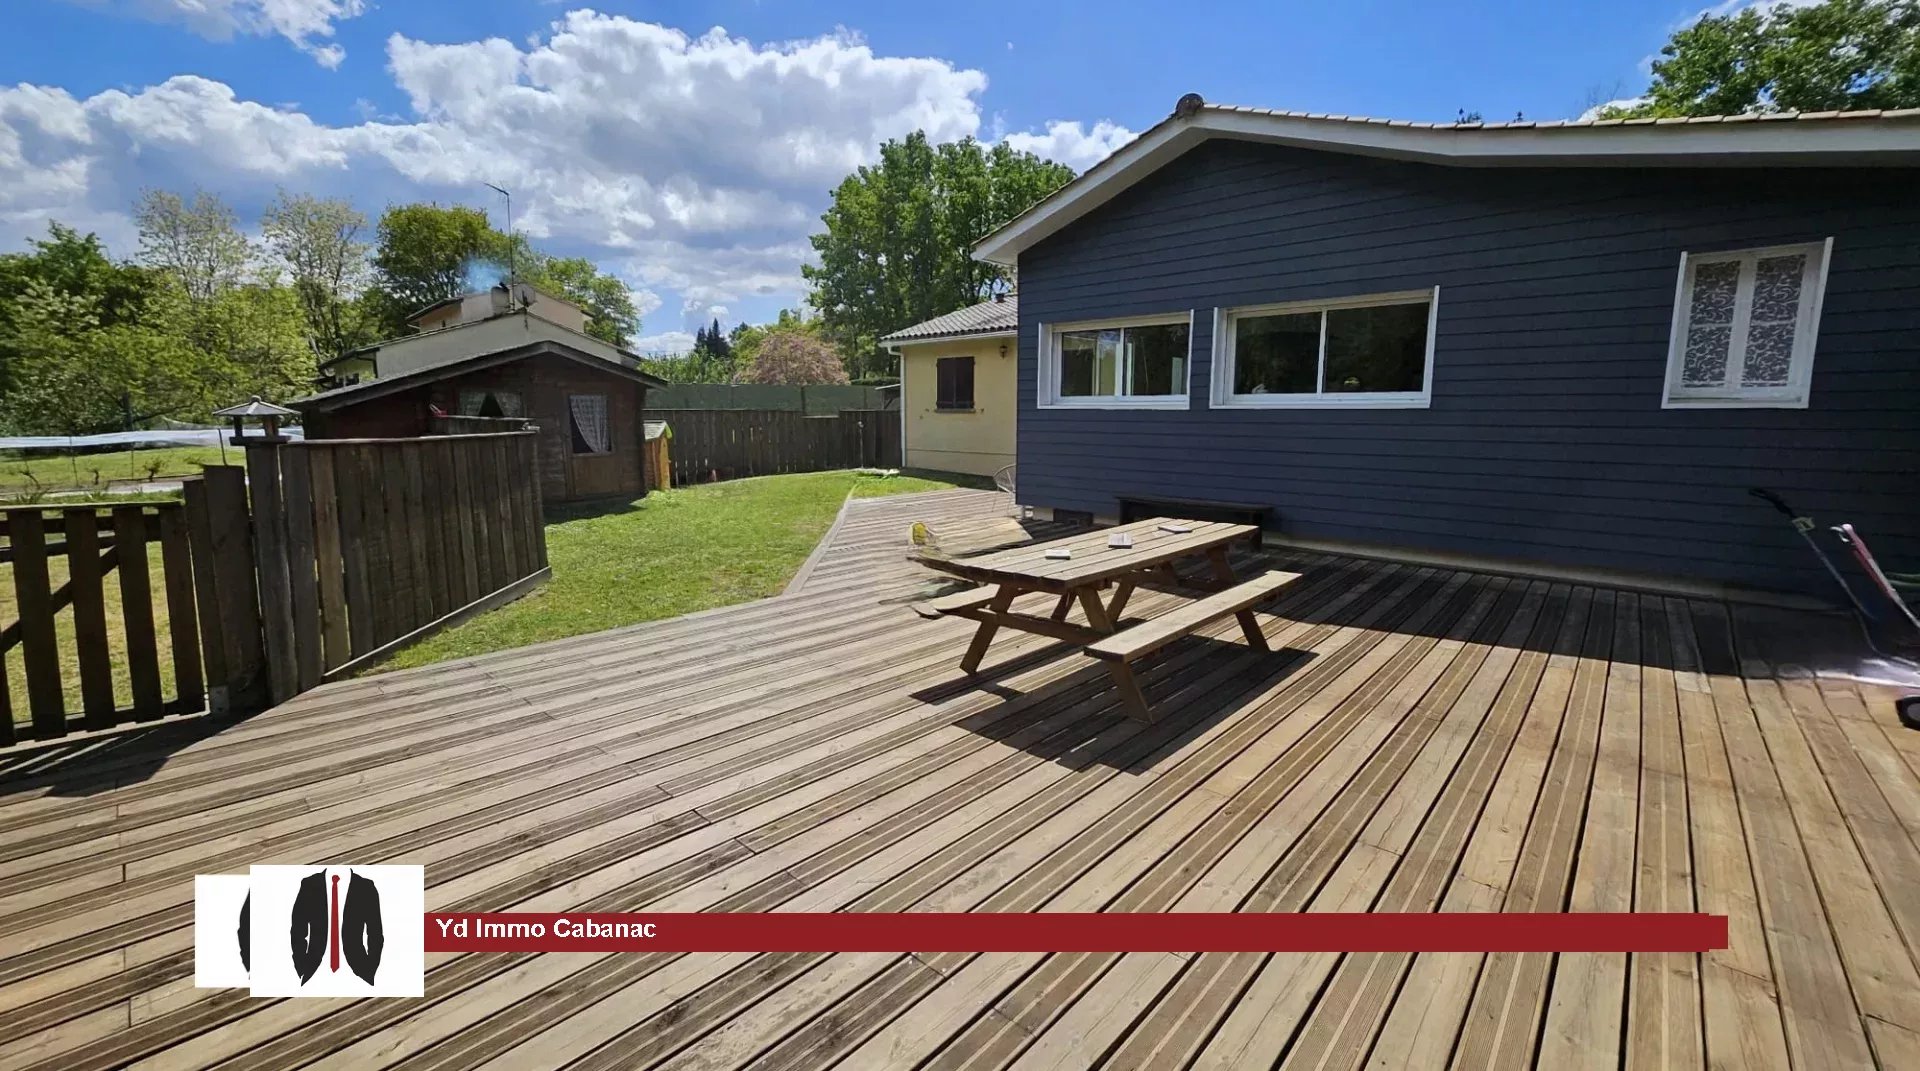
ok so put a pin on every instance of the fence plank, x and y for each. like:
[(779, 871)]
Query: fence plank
[(136, 611), (296, 498), (446, 498), (270, 551), (206, 594), (398, 618), (33, 596), (427, 564), (328, 563), (494, 502), (93, 647), (530, 464), (472, 539), (6, 703), (424, 608), (183, 633), (351, 474)]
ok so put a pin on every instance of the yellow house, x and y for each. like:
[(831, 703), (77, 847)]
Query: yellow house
[(957, 394)]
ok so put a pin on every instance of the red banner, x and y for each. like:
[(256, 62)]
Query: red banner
[(1192, 932)]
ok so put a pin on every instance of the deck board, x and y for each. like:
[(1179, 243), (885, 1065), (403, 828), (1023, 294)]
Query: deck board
[(1420, 739)]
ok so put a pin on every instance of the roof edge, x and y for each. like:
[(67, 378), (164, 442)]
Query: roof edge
[(1784, 139)]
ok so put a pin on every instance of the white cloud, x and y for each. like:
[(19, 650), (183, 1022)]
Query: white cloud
[(305, 23), (1072, 144), (665, 344), (693, 167), (1624, 102)]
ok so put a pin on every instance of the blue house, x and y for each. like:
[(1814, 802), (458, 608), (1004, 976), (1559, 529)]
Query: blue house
[(1566, 347)]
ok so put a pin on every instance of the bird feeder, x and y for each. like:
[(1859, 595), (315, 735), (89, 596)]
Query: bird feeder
[(267, 414)]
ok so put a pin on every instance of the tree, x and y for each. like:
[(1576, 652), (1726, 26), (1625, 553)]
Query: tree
[(898, 238), (1837, 55), (69, 265), (795, 358), (318, 242), (611, 314), (426, 253), (198, 242)]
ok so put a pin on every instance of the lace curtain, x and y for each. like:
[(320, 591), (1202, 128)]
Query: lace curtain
[(590, 422)]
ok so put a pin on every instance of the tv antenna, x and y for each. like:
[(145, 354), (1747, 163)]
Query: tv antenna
[(511, 278)]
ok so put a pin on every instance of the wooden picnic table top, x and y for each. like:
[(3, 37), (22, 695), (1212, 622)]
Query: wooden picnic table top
[(1093, 560)]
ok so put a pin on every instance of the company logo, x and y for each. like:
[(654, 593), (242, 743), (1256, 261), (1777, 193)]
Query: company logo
[(312, 931)]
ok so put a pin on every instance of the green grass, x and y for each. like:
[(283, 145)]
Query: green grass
[(671, 553), (25, 472)]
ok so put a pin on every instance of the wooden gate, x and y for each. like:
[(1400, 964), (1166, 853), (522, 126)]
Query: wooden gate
[(138, 663)]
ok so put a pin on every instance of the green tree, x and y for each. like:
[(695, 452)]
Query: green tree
[(611, 314), (198, 242), (1837, 55), (318, 242), (70, 265), (425, 253), (897, 245)]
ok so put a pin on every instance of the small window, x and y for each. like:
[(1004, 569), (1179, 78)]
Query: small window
[(587, 414), (1117, 364), (1373, 351), (489, 403), (955, 375), (1744, 327)]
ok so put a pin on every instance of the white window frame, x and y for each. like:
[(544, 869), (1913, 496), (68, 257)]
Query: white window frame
[(1806, 332), (1226, 323), (1048, 387)]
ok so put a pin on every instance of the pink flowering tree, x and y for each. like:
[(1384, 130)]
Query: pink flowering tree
[(795, 357)]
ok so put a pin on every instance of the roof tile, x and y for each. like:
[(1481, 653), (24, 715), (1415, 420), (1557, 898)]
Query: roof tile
[(986, 318)]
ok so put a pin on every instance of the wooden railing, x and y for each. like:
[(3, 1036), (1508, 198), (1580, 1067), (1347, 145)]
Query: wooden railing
[(154, 623), (727, 444)]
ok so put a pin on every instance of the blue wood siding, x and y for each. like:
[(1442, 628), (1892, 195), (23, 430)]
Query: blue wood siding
[(1545, 440)]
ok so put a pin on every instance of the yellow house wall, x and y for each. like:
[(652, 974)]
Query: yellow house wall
[(979, 442)]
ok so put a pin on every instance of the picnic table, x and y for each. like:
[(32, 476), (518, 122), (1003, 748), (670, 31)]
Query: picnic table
[(1091, 565)]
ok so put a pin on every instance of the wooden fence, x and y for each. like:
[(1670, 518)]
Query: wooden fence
[(351, 550), (727, 444), (96, 540), (368, 545)]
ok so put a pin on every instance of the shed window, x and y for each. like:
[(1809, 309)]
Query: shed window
[(1117, 363), (489, 403), (1370, 352), (955, 375), (587, 414), (1744, 327)]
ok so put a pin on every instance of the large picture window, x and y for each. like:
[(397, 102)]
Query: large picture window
[(1371, 351), (1744, 327), (1138, 363)]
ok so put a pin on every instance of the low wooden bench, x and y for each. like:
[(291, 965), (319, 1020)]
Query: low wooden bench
[(970, 599), (1122, 648)]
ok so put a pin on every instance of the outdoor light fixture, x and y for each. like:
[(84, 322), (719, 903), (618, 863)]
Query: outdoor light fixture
[(268, 414)]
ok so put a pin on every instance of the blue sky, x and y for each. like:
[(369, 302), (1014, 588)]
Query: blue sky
[(694, 161)]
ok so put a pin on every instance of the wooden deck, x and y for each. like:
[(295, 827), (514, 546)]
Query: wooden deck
[(1420, 740)]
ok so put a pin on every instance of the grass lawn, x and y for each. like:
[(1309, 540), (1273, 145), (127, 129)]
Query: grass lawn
[(24, 472), (671, 553)]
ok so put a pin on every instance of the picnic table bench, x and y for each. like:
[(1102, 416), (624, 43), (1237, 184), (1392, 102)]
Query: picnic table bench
[(1091, 564)]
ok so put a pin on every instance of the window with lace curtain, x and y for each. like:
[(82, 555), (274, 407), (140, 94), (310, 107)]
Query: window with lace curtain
[(1744, 327), (587, 414)]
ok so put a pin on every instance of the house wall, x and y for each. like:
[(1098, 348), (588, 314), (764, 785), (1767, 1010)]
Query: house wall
[(544, 385), (1546, 440), (980, 441)]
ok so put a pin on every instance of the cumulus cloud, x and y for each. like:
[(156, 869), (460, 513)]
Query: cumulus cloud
[(664, 344), (305, 23), (1072, 144), (692, 166)]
